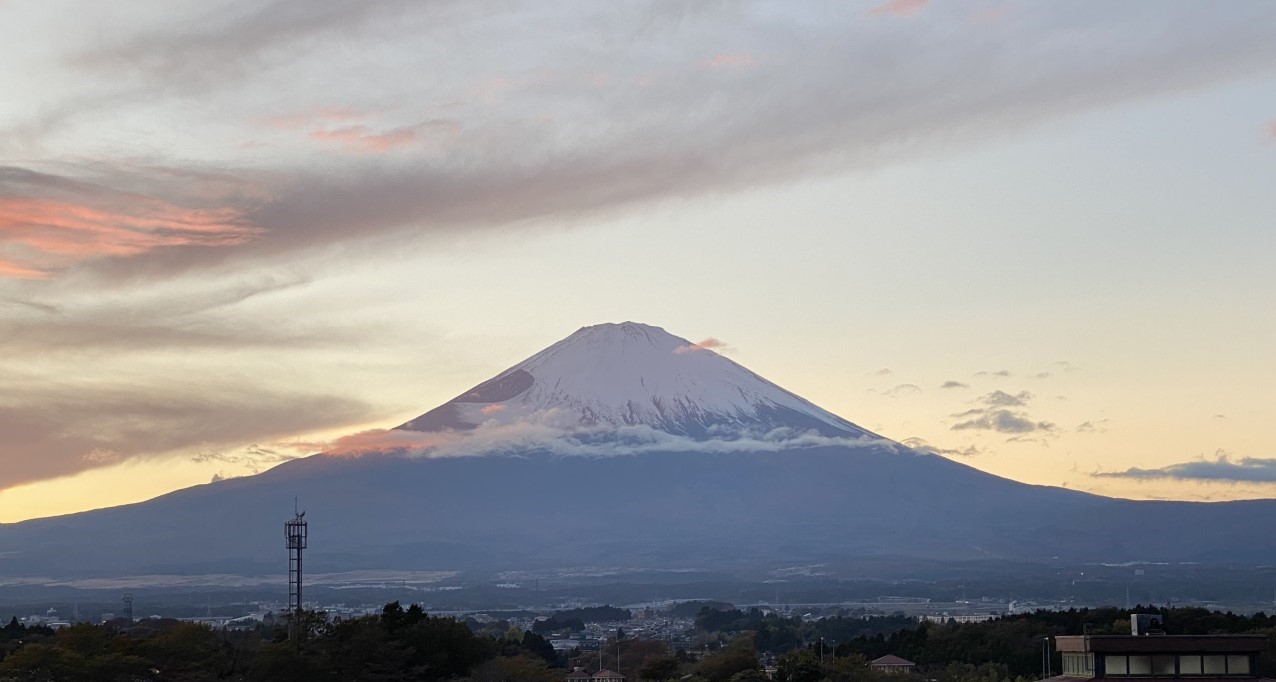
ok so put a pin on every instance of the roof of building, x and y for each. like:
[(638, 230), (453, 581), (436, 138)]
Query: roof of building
[(606, 674), (1128, 644), (579, 674), (891, 659)]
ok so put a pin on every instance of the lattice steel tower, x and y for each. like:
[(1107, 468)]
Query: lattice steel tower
[(128, 607), (295, 533)]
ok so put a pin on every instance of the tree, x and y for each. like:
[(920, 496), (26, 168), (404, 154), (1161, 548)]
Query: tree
[(798, 666), (750, 676), (737, 657), (659, 668)]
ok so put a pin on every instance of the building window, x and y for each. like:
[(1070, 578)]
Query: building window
[(1238, 665), (1140, 665), (1078, 665), (1215, 665), (1189, 665), (1163, 666), (1115, 665)]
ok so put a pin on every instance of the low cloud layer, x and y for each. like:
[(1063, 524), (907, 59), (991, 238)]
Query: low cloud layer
[(1223, 468), (560, 433)]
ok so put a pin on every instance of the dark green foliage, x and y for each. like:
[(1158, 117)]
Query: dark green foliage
[(798, 666), (399, 644), (659, 668), (722, 665), (691, 609)]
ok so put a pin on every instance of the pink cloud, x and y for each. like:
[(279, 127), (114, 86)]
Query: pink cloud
[(727, 60), (709, 343), (1271, 129), (899, 8), (17, 271), (493, 408), (52, 234), (362, 139)]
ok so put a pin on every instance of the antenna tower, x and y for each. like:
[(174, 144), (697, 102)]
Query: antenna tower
[(128, 607), (295, 533)]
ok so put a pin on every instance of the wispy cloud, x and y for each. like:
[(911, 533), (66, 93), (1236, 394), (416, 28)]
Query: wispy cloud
[(709, 343), (921, 444), (1093, 426), (576, 156), (1003, 399), (898, 390), (1003, 421), (954, 384), (78, 425), (1220, 469), (49, 223), (899, 8)]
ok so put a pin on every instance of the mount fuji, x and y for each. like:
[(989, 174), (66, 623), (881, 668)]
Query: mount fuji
[(624, 447), (629, 374)]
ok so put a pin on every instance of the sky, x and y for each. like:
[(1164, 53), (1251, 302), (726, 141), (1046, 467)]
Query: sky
[(1033, 237)]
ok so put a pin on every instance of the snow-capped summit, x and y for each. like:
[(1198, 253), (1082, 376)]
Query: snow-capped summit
[(634, 374)]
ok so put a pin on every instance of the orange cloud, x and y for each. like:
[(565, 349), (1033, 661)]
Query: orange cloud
[(899, 8), (730, 61), (51, 233), (708, 344), (1271, 129), (386, 441), (493, 408)]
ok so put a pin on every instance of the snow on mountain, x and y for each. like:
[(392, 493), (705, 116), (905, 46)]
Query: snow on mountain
[(631, 374)]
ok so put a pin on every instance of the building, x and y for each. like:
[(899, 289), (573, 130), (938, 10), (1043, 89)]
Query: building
[(1148, 654), (891, 663), (609, 676), (579, 675)]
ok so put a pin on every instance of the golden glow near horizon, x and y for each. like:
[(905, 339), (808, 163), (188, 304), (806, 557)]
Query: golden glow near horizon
[(1050, 264)]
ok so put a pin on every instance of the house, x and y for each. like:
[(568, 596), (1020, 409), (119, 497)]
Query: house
[(1148, 653), (579, 675), (891, 663), (609, 676)]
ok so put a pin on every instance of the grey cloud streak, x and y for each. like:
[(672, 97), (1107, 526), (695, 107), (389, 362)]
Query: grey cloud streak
[(1222, 469), (824, 91), (71, 427)]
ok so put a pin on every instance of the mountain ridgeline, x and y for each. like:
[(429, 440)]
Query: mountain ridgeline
[(625, 447)]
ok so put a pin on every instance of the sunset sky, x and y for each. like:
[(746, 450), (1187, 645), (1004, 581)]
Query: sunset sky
[(1036, 237)]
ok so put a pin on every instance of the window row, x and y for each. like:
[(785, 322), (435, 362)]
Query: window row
[(1171, 666)]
